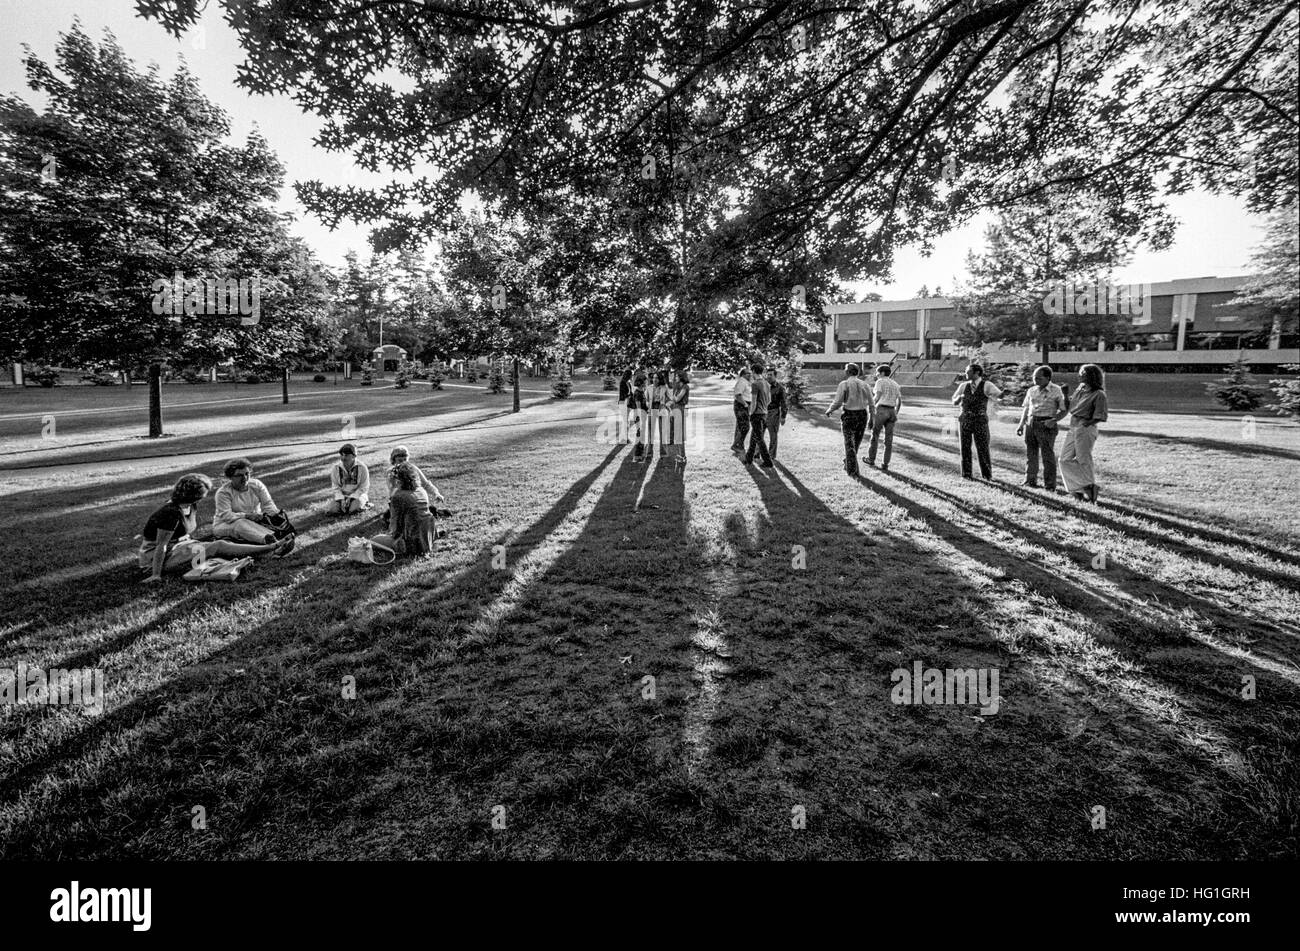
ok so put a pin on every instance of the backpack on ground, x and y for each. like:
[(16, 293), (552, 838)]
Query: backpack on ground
[(218, 569)]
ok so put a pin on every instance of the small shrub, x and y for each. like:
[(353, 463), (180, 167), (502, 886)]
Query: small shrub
[(403, 378), (1016, 383), (1236, 391), (191, 375), (318, 378), (609, 383), (436, 375), (43, 375), (102, 378), (367, 377), (496, 379)]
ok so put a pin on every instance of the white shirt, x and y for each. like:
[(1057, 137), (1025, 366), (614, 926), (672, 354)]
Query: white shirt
[(888, 392), (744, 391)]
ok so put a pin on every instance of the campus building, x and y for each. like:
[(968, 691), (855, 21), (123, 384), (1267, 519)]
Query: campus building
[(1172, 323)]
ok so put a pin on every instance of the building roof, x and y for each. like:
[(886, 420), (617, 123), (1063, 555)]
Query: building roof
[(1186, 285)]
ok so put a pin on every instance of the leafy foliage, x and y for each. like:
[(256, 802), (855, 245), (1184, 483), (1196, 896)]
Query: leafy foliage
[(1287, 394), (797, 386)]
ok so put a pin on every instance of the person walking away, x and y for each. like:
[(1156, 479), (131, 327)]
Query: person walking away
[(888, 400), (974, 396), (855, 397), (776, 411), (1044, 407), (742, 395), (1088, 407), (761, 396)]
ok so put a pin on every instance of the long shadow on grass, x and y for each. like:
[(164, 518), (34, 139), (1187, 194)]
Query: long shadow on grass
[(287, 694), (1242, 448)]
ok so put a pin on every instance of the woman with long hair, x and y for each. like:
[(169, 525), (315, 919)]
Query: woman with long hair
[(625, 409), (167, 547), (411, 526), (1087, 408)]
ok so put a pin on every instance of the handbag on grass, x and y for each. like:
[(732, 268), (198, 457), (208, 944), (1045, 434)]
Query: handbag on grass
[(217, 569), (363, 550)]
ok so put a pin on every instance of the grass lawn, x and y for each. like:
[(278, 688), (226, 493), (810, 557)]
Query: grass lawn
[(523, 686)]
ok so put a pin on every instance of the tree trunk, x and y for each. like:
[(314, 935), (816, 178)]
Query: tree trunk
[(155, 400), (515, 374), (126, 375), (284, 385), (1047, 350)]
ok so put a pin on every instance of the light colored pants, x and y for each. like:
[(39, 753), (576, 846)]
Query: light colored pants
[(243, 530), (1076, 457)]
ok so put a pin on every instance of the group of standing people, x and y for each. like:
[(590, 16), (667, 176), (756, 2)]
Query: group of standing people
[(1044, 405), (761, 408), (653, 401)]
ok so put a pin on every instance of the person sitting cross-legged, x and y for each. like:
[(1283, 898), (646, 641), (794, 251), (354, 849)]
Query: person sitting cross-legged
[(167, 547), (350, 481)]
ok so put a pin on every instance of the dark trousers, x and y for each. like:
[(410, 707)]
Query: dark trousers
[(853, 424), (1040, 437), (885, 418), (975, 428), (773, 430), (742, 425), (757, 430)]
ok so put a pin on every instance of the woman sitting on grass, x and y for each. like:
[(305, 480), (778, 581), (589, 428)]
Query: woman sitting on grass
[(411, 526), (402, 456), (168, 548), (244, 505)]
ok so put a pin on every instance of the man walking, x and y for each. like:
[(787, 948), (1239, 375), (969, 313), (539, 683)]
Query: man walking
[(742, 394), (889, 400), (761, 396), (776, 411), (855, 397), (974, 397)]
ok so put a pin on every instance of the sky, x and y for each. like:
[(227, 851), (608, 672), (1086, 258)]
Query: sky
[(1215, 235)]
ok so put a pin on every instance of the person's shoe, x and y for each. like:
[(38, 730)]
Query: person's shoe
[(284, 547), (868, 462), (968, 478), (1092, 493), (767, 465), (1029, 485), (884, 468)]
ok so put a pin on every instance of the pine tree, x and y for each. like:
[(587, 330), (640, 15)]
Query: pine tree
[(403, 378), (794, 379), (436, 375), (496, 379), (1236, 391), (367, 377)]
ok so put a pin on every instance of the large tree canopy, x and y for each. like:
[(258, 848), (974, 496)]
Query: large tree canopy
[(124, 180), (769, 145)]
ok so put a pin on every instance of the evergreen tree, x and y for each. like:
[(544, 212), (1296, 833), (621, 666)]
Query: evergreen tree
[(496, 378), (561, 384), (796, 383), (1236, 391)]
